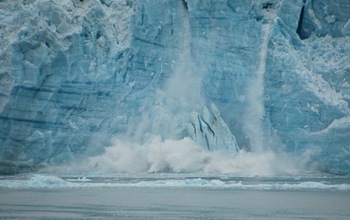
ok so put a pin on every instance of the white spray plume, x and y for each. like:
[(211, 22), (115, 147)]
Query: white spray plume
[(185, 156)]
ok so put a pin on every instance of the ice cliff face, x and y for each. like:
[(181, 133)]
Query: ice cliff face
[(61, 66), (247, 74)]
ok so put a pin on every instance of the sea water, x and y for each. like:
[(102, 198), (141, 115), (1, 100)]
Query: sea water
[(173, 196)]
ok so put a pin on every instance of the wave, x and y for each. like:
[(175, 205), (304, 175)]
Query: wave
[(39, 181)]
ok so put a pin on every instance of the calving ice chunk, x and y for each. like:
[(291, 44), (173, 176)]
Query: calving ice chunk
[(210, 130), (76, 74)]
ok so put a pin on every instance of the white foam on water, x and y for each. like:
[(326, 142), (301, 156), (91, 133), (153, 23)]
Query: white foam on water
[(39, 181), (36, 181)]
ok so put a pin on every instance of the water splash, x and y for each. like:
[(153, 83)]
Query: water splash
[(186, 156)]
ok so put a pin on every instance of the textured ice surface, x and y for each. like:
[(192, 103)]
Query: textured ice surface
[(253, 75), (61, 67)]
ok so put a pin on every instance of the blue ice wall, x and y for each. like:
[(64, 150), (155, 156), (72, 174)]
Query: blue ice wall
[(61, 79), (75, 73)]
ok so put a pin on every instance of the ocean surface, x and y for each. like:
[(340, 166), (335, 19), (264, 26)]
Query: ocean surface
[(173, 196)]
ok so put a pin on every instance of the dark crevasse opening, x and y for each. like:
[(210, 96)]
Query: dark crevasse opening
[(300, 30), (267, 5), (184, 2)]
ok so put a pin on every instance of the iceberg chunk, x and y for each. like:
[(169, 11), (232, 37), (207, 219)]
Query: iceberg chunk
[(210, 130)]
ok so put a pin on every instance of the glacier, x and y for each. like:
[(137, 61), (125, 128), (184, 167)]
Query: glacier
[(252, 75)]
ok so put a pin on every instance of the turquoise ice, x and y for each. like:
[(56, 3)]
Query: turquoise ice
[(237, 75)]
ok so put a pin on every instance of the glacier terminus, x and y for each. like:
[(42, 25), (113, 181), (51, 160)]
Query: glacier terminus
[(226, 75)]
